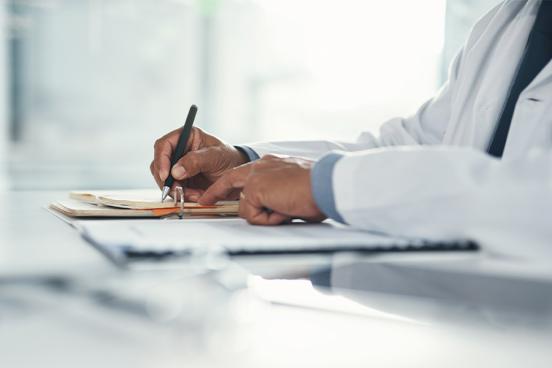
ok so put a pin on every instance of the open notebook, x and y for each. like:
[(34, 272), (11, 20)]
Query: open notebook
[(134, 203)]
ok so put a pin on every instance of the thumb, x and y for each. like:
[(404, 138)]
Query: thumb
[(194, 163)]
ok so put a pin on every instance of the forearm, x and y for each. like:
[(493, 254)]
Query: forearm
[(312, 150), (438, 193)]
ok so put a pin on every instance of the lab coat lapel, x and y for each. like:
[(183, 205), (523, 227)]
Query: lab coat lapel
[(542, 84), (531, 124), (484, 85)]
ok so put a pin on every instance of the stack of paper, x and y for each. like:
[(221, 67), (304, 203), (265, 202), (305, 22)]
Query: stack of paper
[(134, 203)]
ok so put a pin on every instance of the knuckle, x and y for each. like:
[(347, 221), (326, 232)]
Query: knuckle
[(272, 157), (232, 174), (157, 144), (263, 164), (191, 160), (234, 171), (207, 153), (254, 181)]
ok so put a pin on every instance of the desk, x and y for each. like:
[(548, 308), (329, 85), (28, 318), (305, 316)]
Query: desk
[(35, 242), (62, 304)]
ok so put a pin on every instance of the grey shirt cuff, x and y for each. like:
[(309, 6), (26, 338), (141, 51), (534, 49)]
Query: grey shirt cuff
[(322, 185), (248, 151)]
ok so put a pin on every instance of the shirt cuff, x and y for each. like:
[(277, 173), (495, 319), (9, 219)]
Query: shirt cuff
[(248, 151), (322, 185)]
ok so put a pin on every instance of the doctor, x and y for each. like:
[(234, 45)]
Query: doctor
[(474, 161)]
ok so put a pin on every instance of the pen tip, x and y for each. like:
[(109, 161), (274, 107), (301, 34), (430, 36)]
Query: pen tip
[(165, 193)]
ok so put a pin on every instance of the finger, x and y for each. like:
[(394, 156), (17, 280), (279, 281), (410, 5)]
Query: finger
[(227, 184), (165, 146), (155, 175), (163, 149), (255, 210), (259, 215), (195, 162), (192, 194), (196, 139)]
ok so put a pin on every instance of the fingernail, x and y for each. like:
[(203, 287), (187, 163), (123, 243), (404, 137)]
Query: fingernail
[(163, 174), (178, 172)]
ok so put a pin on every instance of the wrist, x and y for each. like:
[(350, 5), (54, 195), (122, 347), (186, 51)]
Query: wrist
[(240, 156)]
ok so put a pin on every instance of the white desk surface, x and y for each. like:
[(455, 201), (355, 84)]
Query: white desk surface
[(62, 304)]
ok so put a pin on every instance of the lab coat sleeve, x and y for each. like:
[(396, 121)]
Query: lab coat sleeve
[(443, 193), (249, 152)]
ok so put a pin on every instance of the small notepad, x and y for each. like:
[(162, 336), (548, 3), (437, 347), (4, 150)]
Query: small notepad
[(136, 199), (134, 203)]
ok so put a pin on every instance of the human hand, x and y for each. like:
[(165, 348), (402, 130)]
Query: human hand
[(274, 190), (207, 158)]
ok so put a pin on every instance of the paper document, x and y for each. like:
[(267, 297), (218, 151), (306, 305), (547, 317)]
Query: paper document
[(237, 237)]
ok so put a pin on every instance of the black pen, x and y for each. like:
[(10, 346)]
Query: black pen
[(180, 148)]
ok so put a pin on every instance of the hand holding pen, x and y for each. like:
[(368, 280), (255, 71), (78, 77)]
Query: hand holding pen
[(202, 160)]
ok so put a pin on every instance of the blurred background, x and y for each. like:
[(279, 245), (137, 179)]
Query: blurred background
[(86, 86)]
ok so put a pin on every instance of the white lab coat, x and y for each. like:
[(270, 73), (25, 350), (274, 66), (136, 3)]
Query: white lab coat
[(428, 175)]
